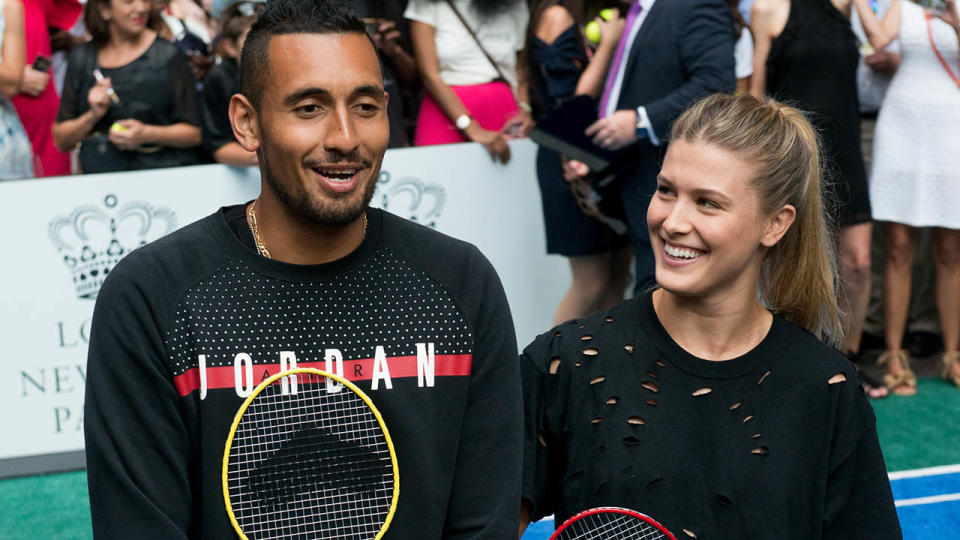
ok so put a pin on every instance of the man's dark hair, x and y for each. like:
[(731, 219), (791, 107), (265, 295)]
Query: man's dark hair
[(289, 17)]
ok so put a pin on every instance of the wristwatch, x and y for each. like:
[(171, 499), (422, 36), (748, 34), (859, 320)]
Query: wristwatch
[(463, 121)]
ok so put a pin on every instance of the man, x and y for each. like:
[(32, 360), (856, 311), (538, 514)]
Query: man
[(305, 273), (670, 54)]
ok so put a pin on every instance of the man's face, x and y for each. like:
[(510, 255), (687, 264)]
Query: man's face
[(323, 125)]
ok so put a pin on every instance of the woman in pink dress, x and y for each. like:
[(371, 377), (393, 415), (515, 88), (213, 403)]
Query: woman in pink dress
[(38, 100)]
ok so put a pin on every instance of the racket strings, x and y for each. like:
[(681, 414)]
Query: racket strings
[(310, 464), (611, 526)]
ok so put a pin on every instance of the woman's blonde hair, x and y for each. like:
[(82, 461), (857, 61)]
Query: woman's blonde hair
[(798, 278)]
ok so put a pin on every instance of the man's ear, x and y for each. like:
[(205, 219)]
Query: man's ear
[(244, 120)]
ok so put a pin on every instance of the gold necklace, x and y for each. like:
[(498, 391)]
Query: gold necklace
[(252, 223)]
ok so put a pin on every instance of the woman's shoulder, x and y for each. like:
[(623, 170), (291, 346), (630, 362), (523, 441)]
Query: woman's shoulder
[(805, 358), (583, 337)]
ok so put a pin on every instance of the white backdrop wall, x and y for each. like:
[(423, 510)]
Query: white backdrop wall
[(45, 307)]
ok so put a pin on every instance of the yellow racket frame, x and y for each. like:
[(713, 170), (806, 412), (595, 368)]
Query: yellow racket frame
[(272, 379)]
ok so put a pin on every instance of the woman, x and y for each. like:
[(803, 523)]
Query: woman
[(806, 53), (143, 113), (16, 157), (38, 100), (710, 404), (915, 181), (557, 67), (468, 97)]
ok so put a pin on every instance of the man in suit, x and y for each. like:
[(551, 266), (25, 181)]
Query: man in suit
[(671, 53)]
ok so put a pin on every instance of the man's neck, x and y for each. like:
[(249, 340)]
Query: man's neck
[(292, 239)]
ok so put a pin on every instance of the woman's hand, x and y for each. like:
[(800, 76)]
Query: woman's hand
[(98, 98), (34, 82), (128, 134), (951, 15), (519, 126), (494, 142), (387, 38), (611, 30)]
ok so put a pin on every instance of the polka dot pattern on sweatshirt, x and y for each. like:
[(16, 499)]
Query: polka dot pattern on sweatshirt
[(381, 302)]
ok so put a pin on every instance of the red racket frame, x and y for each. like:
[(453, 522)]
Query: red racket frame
[(612, 510)]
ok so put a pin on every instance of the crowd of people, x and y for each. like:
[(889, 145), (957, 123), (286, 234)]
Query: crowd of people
[(716, 398), (118, 85)]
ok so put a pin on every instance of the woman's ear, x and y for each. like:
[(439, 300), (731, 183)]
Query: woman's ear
[(777, 225)]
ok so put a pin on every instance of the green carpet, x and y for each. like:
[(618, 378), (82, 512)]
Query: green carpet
[(53, 507), (915, 432), (922, 430)]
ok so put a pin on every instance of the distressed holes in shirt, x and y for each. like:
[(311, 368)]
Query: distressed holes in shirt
[(702, 391), (650, 386), (612, 400), (756, 435), (608, 319), (654, 483), (598, 380), (760, 451), (838, 378), (736, 405), (582, 326), (636, 421), (592, 351), (689, 533), (631, 441), (724, 500), (577, 364), (541, 439), (554, 365), (597, 420), (557, 333), (629, 348), (661, 363), (748, 418), (651, 401), (652, 375), (586, 337), (764, 377)]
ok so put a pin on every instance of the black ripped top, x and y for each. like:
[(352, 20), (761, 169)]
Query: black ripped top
[(760, 446)]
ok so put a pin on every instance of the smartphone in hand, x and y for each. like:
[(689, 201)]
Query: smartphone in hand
[(41, 64)]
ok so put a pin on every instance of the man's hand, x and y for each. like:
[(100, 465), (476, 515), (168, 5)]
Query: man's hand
[(519, 126), (615, 131), (34, 82), (128, 134), (882, 62), (575, 171)]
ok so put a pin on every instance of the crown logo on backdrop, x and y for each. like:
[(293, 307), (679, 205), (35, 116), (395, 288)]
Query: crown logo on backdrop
[(413, 199), (93, 239)]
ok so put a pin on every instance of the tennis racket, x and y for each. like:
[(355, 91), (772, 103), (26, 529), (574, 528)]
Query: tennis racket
[(611, 524), (309, 457)]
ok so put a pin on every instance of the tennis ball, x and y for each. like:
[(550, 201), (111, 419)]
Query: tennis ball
[(592, 30), (118, 127)]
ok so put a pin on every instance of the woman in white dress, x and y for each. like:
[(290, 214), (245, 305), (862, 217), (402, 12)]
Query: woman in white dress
[(915, 181)]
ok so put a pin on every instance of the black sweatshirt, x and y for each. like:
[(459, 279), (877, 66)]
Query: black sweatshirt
[(762, 446), (202, 297)]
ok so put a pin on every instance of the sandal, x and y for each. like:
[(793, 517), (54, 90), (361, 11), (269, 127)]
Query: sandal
[(903, 383), (950, 362)]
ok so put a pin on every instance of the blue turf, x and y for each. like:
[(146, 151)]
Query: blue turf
[(940, 521)]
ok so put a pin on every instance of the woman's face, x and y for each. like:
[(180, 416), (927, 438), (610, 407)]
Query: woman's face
[(127, 16), (707, 229)]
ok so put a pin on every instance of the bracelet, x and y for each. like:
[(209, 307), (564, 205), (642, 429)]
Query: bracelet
[(525, 106)]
